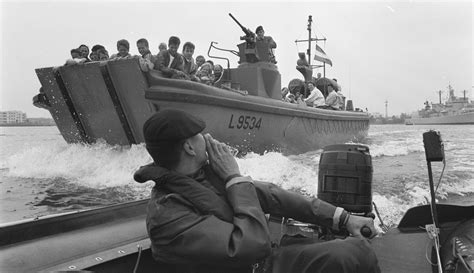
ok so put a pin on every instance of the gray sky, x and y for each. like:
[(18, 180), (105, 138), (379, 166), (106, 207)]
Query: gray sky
[(400, 51)]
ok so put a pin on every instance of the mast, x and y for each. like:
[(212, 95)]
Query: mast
[(439, 92), (310, 21)]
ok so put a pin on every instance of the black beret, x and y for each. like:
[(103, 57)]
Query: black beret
[(258, 28), (171, 125)]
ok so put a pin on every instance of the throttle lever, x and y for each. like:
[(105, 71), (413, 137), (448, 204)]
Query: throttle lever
[(365, 230)]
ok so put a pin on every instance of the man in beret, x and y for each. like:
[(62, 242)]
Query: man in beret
[(269, 40), (204, 216)]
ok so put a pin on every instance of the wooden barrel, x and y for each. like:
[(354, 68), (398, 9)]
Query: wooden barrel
[(345, 177)]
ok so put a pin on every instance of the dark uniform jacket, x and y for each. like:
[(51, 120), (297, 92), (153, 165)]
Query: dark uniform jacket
[(196, 222), (162, 64)]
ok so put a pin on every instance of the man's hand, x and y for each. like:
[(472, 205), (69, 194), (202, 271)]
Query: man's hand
[(220, 157), (355, 223)]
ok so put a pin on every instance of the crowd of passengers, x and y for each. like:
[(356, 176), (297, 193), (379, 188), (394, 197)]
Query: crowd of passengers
[(332, 98), (171, 64), (168, 61)]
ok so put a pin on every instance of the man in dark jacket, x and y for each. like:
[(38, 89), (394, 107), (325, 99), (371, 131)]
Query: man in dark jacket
[(267, 39), (169, 62), (204, 216)]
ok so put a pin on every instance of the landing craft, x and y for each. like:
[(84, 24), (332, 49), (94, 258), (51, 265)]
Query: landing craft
[(111, 100), (429, 238)]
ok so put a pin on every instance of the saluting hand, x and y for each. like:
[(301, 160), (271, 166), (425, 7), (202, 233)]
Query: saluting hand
[(220, 158)]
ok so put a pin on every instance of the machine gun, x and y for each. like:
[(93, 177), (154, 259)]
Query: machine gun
[(249, 35)]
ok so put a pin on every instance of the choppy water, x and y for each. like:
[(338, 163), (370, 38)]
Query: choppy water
[(40, 174)]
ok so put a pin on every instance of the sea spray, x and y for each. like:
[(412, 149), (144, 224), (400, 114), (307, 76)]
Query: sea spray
[(99, 165), (63, 177)]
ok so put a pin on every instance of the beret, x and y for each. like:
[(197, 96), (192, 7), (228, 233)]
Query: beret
[(171, 125)]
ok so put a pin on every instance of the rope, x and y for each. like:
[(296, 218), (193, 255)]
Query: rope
[(441, 176), (426, 255), (383, 226), (138, 259)]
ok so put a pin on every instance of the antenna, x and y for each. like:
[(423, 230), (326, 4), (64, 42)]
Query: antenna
[(434, 151), (386, 107)]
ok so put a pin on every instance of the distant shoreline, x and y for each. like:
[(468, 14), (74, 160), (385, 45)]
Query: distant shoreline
[(25, 125)]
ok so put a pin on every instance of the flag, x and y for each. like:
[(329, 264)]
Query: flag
[(321, 56)]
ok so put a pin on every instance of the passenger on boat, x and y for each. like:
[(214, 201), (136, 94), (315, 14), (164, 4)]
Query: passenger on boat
[(291, 98), (84, 52), (299, 98), (341, 96), (146, 59), (94, 57), (269, 40), (96, 48), (302, 60), (218, 72), (75, 53), (315, 98), (205, 73), (190, 68), (333, 101), (205, 216), (76, 57), (317, 78), (169, 62), (162, 47), (103, 54), (123, 47), (284, 92), (200, 60)]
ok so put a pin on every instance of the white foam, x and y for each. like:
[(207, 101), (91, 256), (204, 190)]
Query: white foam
[(287, 172), (101, 165), (98, 165)]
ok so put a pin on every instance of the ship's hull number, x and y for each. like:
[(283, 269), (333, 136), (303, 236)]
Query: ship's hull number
[(245, 122)]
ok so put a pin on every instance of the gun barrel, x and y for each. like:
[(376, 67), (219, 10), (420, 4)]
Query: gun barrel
[(238, 23)]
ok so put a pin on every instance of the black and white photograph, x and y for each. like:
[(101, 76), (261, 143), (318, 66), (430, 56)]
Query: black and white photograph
[(237, 136)]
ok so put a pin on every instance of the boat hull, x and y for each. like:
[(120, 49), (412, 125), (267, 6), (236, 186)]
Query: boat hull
[(257, 124), (112, 100), (466, 118)]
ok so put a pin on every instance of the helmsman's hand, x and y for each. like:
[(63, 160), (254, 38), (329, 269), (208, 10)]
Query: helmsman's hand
[(220, 158), (355, 223)]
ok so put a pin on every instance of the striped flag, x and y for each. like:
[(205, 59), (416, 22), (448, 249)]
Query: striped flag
[(321, 56)]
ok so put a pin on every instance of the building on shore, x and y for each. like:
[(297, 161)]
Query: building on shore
[(19, 118), (12, 117)]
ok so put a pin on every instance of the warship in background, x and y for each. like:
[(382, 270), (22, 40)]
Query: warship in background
[(456, 110)]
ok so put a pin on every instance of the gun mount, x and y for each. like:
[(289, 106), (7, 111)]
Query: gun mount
[(255, 73), (248, 50), (249, 37), (253, 50)]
